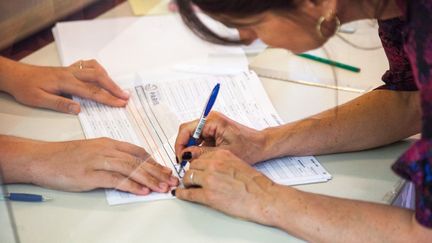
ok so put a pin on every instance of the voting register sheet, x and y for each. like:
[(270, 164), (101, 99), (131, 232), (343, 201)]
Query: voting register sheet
[(157, 108)]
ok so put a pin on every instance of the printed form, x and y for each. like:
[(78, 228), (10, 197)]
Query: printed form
[(157, 108)]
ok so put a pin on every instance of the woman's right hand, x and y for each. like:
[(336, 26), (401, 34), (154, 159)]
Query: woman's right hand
[(223, 133), (84, 165)]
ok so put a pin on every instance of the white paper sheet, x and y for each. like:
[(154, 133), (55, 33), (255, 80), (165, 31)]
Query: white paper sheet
[(157, 107), (84, 39), (163, 42), (91, 39)]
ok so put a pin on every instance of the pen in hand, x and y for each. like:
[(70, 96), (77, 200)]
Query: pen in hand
[(196, 135), (25, 197)]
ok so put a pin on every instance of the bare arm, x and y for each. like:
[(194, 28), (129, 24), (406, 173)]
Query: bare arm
[(82, 165), (377, 118), (230, 185), (321, 218)]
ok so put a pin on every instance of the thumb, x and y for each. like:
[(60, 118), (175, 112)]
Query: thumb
[(61, 104)]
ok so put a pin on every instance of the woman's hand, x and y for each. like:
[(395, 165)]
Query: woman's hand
[(222, 133), (221, 180), (43, 86), (83, 165)]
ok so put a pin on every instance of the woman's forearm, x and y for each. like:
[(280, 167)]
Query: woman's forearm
[(377, 118), (9, 70), (15, 165), (318, 218)]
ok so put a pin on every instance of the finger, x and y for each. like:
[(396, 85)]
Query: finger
[(158, 171), (161, 173), (58, 103), (136, 170), (117, 181), (200, 164), (193, 178), (213, 129), (194, 152), (192, 194), (92, 63), (186, 130), (91, 91), (96, 75), (132, 149)]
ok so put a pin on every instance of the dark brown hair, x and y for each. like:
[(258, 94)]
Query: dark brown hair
[(238, 9), (233, 8)]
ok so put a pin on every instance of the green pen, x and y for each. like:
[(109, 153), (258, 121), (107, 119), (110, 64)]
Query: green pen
[(330, 62)]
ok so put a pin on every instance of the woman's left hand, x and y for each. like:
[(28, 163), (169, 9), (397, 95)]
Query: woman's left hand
[(224, 182), (38, 86)]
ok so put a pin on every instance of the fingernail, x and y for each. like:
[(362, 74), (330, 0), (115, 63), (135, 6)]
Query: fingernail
[(145, 190), (187, 156), (177, 160), (173, 192), (126, 94), (73, 109)]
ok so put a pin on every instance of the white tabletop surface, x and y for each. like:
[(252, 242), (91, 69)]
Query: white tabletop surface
[(86, 217)]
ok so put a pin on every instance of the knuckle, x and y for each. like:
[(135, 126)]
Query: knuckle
[(224, 152), (115, 180), (64, 73), (182, 126), (98, 74), (215, 115), (152, 182), (210, 180), (93, 61), (217, 165), (36, 100)]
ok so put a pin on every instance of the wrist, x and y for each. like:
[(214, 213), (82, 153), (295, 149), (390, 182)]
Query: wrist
[(277, 211), (4, 73), (270, 144), (16, 159), (10, 72)]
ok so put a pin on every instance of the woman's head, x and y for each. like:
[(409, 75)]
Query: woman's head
[(296, 25)]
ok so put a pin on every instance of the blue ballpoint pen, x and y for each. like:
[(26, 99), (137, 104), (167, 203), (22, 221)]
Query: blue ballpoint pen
[(193, 140), (25, 197)]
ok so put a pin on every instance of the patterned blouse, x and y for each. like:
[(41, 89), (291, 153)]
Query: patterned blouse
[(407, 42)]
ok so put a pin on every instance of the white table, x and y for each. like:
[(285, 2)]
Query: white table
[(86, 217)]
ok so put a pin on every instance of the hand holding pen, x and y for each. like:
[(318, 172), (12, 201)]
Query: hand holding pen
[(196, 135)]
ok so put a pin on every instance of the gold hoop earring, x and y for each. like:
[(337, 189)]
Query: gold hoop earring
[(321, 21)]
